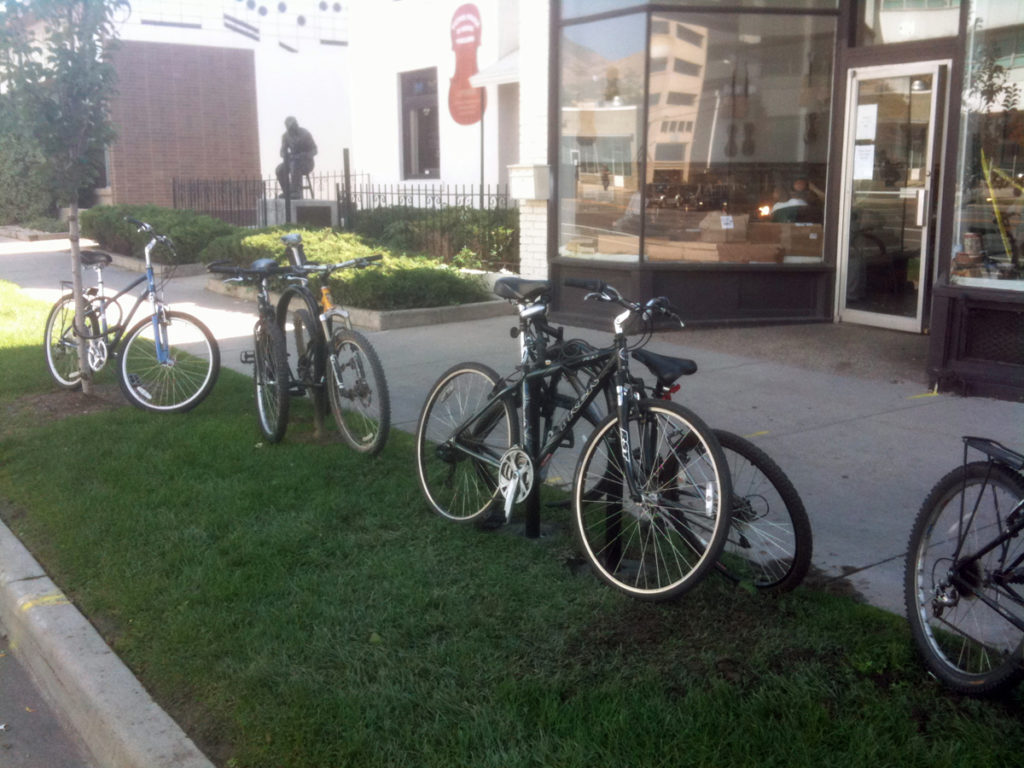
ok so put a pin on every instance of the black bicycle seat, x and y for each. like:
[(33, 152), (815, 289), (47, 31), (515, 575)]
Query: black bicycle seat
[(520, 289), (267, 266), (666, 369), (95, 258)]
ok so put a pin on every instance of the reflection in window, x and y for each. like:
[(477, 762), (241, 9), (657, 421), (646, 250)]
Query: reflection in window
[(737, 121), (899, 21), (989, 227), (421, 147), (602, 106)]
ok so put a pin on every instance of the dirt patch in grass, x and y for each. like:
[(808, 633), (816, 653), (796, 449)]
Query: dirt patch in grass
[(54, 406)]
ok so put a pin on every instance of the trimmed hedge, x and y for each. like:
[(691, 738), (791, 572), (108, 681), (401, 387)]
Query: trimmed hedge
[(190, 232), (404, 283), (396, 283), (244, 246)]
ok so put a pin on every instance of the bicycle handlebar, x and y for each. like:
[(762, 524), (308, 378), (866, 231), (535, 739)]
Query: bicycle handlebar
[(357, 263), (602, 291)]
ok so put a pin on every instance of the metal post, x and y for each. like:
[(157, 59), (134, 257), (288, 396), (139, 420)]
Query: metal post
[(346, 205), (532, 414)]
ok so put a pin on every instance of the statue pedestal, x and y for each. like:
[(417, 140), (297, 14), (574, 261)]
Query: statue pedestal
[(317, 213)]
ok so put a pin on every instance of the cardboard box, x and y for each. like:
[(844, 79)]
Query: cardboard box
[(700, 251), (618, 244), (747, 253), (736, 253), (764, 232), (802, 239), (664, 250), (718, 227)]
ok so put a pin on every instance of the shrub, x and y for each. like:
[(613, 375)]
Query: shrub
[(321, 245), (446, 233), (190, 232), (406, 284)]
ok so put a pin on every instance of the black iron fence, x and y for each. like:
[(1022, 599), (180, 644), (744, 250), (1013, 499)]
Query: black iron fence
[(469, 225), (464, 224), (236, 201)]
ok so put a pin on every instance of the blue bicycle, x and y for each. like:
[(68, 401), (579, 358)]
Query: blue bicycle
[(167, 362)]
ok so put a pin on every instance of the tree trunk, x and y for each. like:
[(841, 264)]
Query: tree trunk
[(80, 303)]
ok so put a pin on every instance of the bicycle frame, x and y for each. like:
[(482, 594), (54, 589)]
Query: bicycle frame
[(615, 369), (119, 329)]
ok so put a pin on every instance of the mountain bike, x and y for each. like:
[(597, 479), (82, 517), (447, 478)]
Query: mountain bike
[(964, 580), (333, 362), (347, 367), (769, 544), (167, 362), (651, 492)]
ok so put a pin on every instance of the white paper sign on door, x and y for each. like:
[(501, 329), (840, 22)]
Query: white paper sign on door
[(864, 162), (867, 120)]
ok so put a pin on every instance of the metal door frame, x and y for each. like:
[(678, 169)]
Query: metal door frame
[(939, 69)]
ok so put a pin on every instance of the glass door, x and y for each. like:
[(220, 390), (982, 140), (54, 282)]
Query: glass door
[(890, 175)]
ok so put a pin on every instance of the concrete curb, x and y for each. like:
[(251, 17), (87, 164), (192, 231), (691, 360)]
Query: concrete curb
[(373, 320), (84, 682), (31, 235)]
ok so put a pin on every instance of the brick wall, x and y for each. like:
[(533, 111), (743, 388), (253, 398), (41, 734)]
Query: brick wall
[(181, 110)]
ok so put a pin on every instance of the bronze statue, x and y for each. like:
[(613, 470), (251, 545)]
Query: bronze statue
[(297, 149)]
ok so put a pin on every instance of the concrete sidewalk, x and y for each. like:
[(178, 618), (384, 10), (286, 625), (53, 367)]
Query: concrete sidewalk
[(845, 411)]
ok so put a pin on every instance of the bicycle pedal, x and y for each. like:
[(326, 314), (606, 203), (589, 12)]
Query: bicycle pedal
[(248, 357), (296, 390)]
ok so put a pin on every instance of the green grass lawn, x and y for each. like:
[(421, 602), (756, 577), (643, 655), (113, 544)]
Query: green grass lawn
[(297, 605)]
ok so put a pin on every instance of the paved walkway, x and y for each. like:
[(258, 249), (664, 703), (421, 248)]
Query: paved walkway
[(845, 411)]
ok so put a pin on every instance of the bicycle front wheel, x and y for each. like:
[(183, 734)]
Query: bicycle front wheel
[(461, 438), (271, 378), (358, 392), (769, 542), (168, 364), (659, 543), (960, 606), (61, 343)]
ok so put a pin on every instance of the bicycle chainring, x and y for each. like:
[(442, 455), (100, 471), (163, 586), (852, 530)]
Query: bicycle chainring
[(515, 468), (97, 354)]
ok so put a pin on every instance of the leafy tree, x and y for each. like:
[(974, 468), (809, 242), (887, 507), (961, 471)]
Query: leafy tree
[(57, 77)]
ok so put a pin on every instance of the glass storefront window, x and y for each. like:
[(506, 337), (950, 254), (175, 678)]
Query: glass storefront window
[(989, 221), (881, 22), (572, 9), (730, 164), (601, 135)]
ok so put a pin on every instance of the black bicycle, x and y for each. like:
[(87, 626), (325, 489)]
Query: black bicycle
[(651, 492), (167, 362), (347, 367), (769, 544), (333, 362), (965, 572)]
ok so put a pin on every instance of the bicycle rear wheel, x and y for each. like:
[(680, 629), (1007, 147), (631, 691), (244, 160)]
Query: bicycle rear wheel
[(460, 440), (953, 601), (297, 314), (660, 545), (61, 342), (271, 379), (185, 376), (769, 542), (358, 392)]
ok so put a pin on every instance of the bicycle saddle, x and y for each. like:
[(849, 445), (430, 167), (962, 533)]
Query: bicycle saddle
[(666, 369), (520, 289), (95, 258), (292, 238), (264, 265)]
